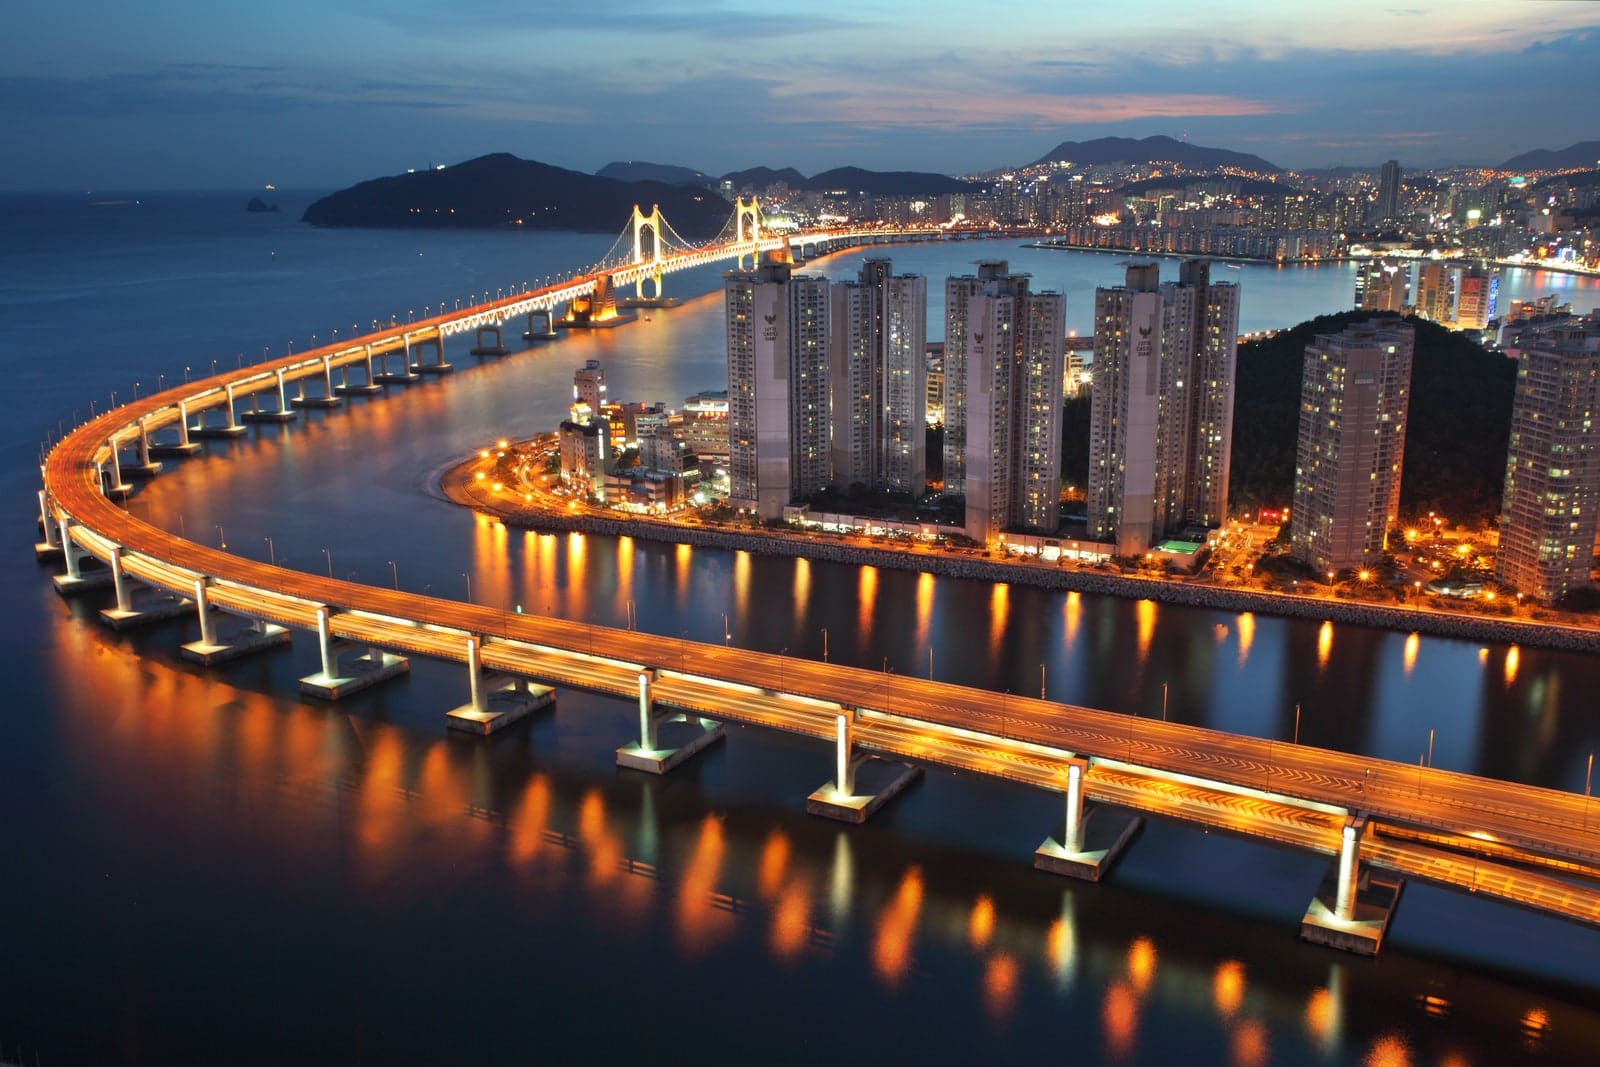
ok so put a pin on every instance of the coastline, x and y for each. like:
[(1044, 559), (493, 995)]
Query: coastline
[(458, 485)]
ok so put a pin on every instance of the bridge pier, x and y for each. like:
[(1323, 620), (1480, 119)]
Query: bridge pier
[(1086, 851), (438, 366), (284, 413), (404, 376), (233, 427), (495, 701), (238, 637), (145, 467), (1353, 907), (839, 799), (50, 547), (136, 605), (548, 332), (184, 446), (336, 680), (118, 487), (328, 399), (76, 580), (344, 388), (497, 349), (647, 755)]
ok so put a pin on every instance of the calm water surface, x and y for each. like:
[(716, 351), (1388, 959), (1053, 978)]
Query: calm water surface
[(205, 869)]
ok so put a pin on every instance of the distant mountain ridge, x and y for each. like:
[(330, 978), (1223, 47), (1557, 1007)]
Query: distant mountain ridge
[(852, 180), (1581, 156), (1107, 150), (502, 190), (640, 171)]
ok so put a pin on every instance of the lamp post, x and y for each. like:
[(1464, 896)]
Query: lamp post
[(329, 557), (824, 644), (727, 635), (395, 571), (1297, 724), (222, 538), (272, 555), (468, 577)]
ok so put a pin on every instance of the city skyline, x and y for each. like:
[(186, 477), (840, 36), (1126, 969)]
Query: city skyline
[(192, 97)]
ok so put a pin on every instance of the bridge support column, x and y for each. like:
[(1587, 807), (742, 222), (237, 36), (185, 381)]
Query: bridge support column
[(336, 679), (497, 349), (50, 547), (438, 366), (328, 399), (117, 485), (344, 388), (284, 413), (184, 446), (405, 375), (1087, 849), (76, 580), (689, 734), (1353, 907), (231, 428), (880, 780), (145, 467), (222, 641), (138, 606), (495, 701), (546, 332)]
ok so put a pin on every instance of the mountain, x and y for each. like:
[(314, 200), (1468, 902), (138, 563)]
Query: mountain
[(502, 190), (761, 177), (885, 182), (852, 180), (1104, 150), (640, 171), (1246, 186), (1581, 156)]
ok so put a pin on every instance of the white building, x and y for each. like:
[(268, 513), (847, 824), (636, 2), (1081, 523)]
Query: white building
[(777, 330)]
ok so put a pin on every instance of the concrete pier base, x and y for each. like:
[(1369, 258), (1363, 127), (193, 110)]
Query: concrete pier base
[(316, 401), (147, 606), (219, 431), (551, 336), (286, 415), (235, 638), (597, 324), (349, 389), (702, 734), (490, 350), (82, 582), (433, 368), (362, 672), (45, 552), (176, 450), (141, 471), (504, 702), (1377, 896), (1106, 832), (397, 378), (649, 302), (876, 782)]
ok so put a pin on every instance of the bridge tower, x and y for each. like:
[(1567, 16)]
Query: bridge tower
[(641, 223), (747, 229)]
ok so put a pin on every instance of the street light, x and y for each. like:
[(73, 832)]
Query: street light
[(727, 636), (329, 557), (222, 539), (272, 555), (468, 577), (394, 570), (824, 644)]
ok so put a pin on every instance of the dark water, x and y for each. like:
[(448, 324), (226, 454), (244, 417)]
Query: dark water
[(202, 868)]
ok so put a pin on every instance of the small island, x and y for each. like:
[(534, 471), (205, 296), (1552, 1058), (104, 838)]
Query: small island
[(258, 206)]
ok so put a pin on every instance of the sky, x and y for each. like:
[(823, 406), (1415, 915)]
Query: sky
[(168, 94)]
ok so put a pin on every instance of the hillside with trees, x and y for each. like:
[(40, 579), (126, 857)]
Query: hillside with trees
[(1458, 422)]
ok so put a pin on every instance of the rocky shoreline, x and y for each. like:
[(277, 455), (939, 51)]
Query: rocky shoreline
[(456, 486)]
